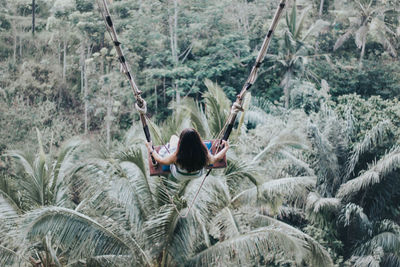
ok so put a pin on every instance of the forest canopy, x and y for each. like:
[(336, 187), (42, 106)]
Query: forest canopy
[(313, 168)]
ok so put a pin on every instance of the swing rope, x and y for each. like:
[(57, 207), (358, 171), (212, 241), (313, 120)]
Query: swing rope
[(141, 105)]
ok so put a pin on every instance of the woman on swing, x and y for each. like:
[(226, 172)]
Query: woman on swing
[(187, 155)]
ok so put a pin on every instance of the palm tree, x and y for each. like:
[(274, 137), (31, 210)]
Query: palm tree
[(124, 216), (349, 185), (294, 51), (366, 21), (40, 179)]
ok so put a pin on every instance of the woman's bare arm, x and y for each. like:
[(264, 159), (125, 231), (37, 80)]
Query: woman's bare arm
[(170, 159), (220, 155)]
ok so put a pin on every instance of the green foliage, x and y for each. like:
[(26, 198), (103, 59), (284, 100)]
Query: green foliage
[(369, 112), (321, 155)]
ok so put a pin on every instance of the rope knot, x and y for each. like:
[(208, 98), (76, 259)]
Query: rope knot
[(236, 107), (142, 109)]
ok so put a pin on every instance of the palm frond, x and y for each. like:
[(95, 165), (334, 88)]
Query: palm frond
[(327, 161), (161, 226), (389, 242), (133, 155), (110, 260), (243, 249), (284, 139), (342, 39), (361, 35), (217, 107), (322, 210), (275, 191), (390, 260), (8, 209), (297, 162), (80, 235), (197, 116), (224, 225), (386, 236), (374, 175), (9, 257), (316, 28), (317, 255), (35, 177), (300, 22), (353, 213), (237, 170), (132, 191), (369, 261), (64, 164), (373, 137)]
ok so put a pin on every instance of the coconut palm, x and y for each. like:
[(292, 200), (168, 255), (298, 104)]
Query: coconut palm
[(349, 185), (123, 216), (40, 179), (295, 52), (367, 21)]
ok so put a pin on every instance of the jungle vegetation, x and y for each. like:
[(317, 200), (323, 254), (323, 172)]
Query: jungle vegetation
[(313, 172)]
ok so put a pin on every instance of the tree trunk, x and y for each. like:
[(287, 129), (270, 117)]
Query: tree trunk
[(108, 120), (64, 75), (287, 95), (164, 93), (82, 63), (156, 97), (362, 53), (59, 54), (85, 94), (321, 8), (20, 46), (15, 42), (173, 29), (33, 16)]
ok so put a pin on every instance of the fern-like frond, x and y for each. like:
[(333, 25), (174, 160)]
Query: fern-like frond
[(161, 227), (79, 235), (217, 107), (237, 170), (342, 39), (275, 191), (135, 156), (374, 175), (284, 139), (64, 164), (10, 258), (390, 260), (198, 118), (8, 209), (322, 210), (373, 137), (316, 254), (224, 225), (353, 213), (243, 249), (35, 176)]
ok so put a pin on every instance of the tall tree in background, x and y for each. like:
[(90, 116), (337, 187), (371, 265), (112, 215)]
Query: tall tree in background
[(33, 16), (173, 31), (366, 20), (294, 51)]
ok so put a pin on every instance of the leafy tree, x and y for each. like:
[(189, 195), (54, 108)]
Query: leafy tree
[(367, 19), (294, 51)]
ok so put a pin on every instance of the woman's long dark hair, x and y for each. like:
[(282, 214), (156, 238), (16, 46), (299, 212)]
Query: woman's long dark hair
[(192, 153)]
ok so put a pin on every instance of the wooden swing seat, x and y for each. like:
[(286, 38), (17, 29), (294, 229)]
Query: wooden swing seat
[(157, 170)]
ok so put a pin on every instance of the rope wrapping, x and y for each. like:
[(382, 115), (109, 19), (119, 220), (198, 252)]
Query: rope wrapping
[(142, 109)]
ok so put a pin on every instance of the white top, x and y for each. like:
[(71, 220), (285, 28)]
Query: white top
[(178, 173)]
